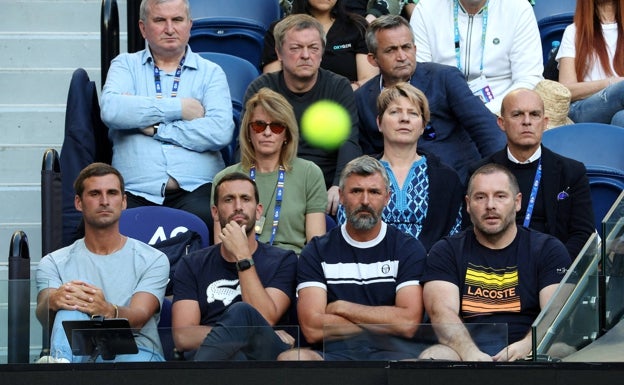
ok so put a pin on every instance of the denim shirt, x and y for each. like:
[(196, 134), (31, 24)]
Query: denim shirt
[(185, 150)]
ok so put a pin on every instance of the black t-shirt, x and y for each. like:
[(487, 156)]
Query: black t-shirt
[(345, 39)]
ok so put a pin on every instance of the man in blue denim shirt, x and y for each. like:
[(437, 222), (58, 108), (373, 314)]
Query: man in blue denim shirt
[(169, 113)]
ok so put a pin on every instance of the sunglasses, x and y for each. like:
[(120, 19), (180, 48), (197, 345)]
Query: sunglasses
[(259, 126)]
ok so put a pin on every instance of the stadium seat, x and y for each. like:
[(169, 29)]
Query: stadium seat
[(551, 29), (545, 8), (262, 12), (239, 73), (594, 144), (151, 224), (599, 147), (234, 36), (606, 185)]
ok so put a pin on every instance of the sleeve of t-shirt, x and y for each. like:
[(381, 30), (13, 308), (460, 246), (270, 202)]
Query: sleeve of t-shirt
[(184, 281), (411, 263), (441, 264), (309, 269), (316, 194), (554, 262), (567, 47), (285, 276), (47, 274), (155, 277), (268, 50)]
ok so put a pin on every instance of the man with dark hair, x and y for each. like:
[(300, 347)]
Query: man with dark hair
[(103, 274), (494, 273), (300, 43), (461, 131), (359, 296), (227, 297)]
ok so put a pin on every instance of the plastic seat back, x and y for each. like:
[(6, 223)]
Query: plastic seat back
[(262, 12), (240, 73), (232, 35), (545, 8), (551, 29), (151, 224), (606, 185), (594, 144)]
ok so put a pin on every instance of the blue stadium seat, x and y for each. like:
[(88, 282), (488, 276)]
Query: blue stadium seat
[(151, 224), (239, 73), (545, 8), (232, 35), (599, 147), (594, 144), (606, 185), (262, 12), (551, 29)]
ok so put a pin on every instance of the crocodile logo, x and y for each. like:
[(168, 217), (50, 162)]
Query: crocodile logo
[(223, 290)]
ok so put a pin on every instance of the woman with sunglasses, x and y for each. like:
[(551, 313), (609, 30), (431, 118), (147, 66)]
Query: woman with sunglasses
[(426, 195), (292, 190)]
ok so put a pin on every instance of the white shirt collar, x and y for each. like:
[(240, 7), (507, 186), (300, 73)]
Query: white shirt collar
[(536, 155)]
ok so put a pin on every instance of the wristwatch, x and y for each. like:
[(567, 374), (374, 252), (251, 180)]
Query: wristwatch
[(155, 128), (244, 264)]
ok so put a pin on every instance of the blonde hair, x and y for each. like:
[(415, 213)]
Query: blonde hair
[(280, 110), (297, 22), (413, 94)]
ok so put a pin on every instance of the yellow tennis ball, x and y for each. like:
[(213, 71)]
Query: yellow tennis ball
[(325, 124)]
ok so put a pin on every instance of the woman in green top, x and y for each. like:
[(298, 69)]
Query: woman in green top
[(292, 190)]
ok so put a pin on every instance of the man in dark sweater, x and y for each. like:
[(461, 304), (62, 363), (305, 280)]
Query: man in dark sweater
[(300, 43), (562, 204)]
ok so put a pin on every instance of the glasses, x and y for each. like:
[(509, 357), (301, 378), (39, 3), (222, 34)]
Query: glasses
[(259, 126)]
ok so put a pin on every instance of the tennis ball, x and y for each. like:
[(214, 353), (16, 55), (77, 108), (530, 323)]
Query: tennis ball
[(325, 124)]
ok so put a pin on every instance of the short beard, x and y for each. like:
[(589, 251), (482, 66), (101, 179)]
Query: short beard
[(363, 222)]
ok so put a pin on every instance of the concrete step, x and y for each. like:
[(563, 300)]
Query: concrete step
[(58, 49), (39, 86), (50, 15), (22, 203), (21, 164), (32, 123)]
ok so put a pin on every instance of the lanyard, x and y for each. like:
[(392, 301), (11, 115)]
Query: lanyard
[(531, 204), (484, 11), (176, 80), (279, 193)]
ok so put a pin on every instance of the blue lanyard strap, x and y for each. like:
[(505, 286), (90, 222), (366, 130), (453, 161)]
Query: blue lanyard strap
[(533, 196), (176, 80), (279, 194), (484, 12)]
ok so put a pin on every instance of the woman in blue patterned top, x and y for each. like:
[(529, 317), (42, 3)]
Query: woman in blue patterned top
[(426, 195)]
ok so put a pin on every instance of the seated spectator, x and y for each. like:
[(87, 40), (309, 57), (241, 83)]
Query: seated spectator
[(103, 274), (496, 272), (290, 188), (345, 51), (425, 195), (496, 44), (359, 296), (461, 131), (166, 125), (226, 297), (372, 9), (591, 62), (557, 186), (300, 39)]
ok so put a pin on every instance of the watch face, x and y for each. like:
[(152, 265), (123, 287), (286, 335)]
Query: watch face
[(244, 264)]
